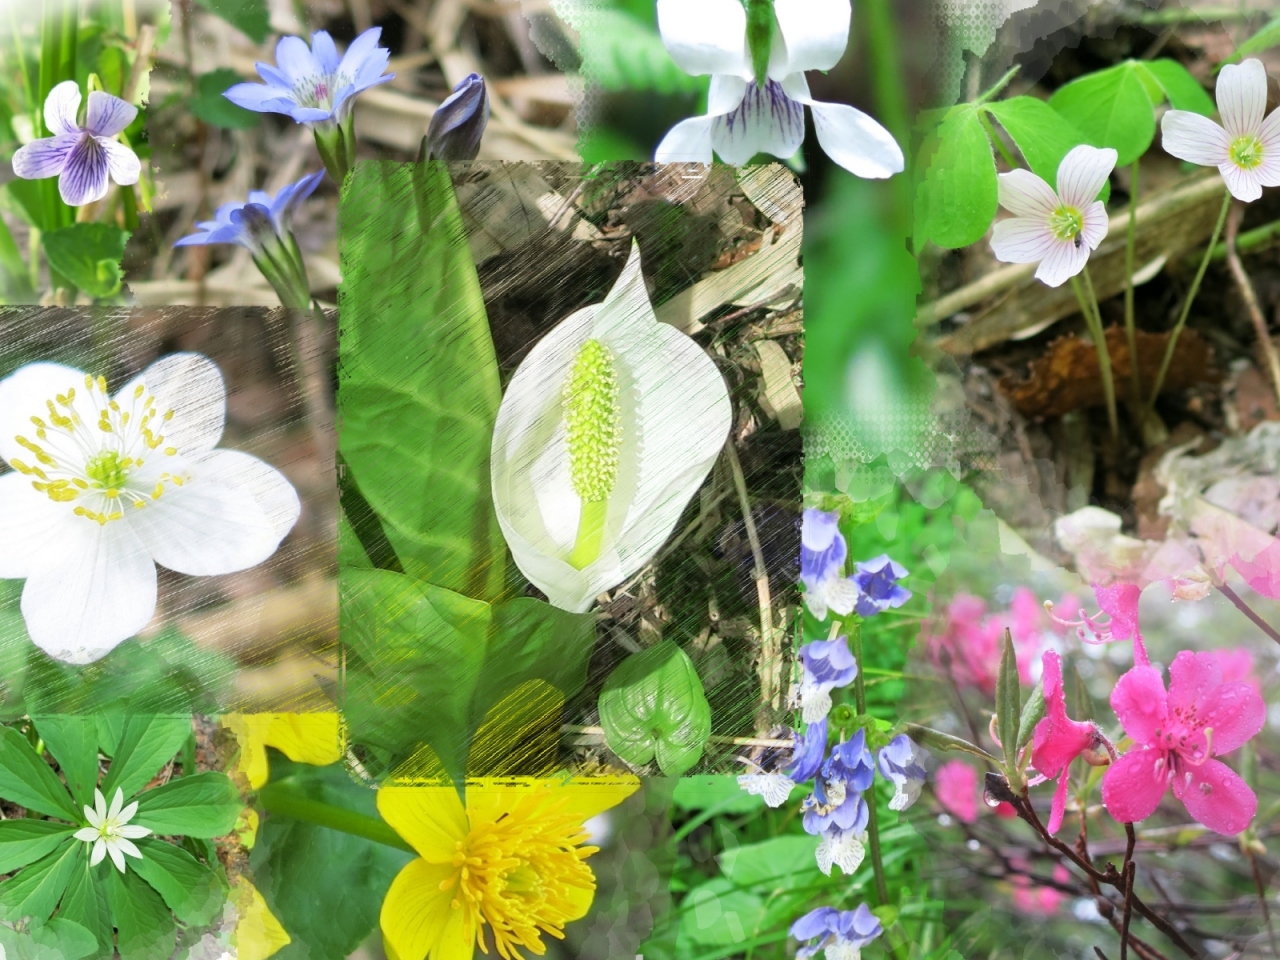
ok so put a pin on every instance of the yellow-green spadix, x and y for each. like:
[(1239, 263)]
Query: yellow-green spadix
[(607, 429)]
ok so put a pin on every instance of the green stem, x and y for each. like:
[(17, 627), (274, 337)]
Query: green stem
[(1130, 327), (279, 799), (1093, 318), (1186, 306), (997, 140), (998, 86), (885, 62), (873, 826), (14, 287), (58, 35)]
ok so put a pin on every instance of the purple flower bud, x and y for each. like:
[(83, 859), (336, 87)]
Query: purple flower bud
[(458, 123)]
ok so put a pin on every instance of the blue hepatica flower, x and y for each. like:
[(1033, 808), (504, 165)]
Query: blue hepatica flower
[(824, 665), (83, 158), (878, 587), (822, 554), (840, 933), (259, 222), (901, 761), (315, 85)]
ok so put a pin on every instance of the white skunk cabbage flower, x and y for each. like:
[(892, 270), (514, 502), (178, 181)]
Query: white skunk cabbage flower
[(606, 431)]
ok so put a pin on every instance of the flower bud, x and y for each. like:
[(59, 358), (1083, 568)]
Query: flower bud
[(458, 123)]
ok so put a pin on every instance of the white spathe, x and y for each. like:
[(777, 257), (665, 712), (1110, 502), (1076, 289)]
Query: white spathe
[(675, 418), (105, 487), (1058, 230), (1245, 148), (743, 118)]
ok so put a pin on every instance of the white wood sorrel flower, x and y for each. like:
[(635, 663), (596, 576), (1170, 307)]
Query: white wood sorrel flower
[(105, 487), (1057, 230), (607, 429), (1245, 148), (110, 831), (757, 55)]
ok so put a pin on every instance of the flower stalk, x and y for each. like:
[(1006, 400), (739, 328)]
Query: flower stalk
[(873, 826), (1093, 318), (279, 798)]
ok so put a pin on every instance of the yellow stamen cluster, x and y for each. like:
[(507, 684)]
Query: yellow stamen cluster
[(593, 422), (522, 875), (1066, 222), (73, 462), (1246, 152)]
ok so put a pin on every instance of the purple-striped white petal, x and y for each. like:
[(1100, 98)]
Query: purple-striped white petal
[(1095, 224), (1022, 240), (1244, 185), (814, 35), (767, 121), (294, 60), (45, 157), (62, 107), (122, 163), (1196, 139), (1083, 173), (1242, 97), (84, 179), (689, 141), (108, 115), (1024, 194), (1063, 262), (324, 51), (707, 36)]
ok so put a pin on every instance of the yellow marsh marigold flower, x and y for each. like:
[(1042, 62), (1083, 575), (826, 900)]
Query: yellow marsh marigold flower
[(500, 872), (258, 933), (314, 738)]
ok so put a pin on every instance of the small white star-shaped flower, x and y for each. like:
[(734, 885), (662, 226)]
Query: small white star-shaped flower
[(109, 830)]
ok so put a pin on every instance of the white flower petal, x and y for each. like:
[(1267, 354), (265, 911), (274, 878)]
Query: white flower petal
[(1244, 185), (117, 802), (61, 108), (86, 834), (1063, 262), (132, 831), (123, 164), (1269, 134), (1026, 195), (775, 788), (725, 94), (767, 121), (1242, 97), (842, 594), (94, 591), (815, 702), (706, 36), (127, 846), (1096, 223), (268, 487), (856, 141), (117, 856), (814, 34), (26, 516), (23, 395), (1083, 173), (99, 805), (191, 385), (99, 852), (1191, 137), (1021, 240), (689, 141)]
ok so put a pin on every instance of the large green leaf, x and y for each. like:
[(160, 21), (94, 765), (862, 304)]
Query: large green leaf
[(24, 841), (36, 890), (770, 861), (1180, 87), (88, 255), (73, 741), (194, 892), (204, 805), (144, 924), (85, 903), (653, 706), (425, 664), (418, 383), (1112, 108), (25, 779), (1042, 134), (146, 744), (956, 195), (293, 864), (58, 939), (621, 53)]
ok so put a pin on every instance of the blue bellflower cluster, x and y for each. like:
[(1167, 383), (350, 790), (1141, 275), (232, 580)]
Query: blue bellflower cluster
[(836, 811), (872, 589)]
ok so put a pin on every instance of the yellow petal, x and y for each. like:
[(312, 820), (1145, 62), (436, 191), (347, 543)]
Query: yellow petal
[(431, 819), (246, 828), (314, 738), (250, 730), (258, 933), (583, 797), (417, 917)]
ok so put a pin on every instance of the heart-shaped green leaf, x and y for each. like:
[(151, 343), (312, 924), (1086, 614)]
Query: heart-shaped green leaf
[(956, 195), (88, 255), (1042, 134), (1112, 108)]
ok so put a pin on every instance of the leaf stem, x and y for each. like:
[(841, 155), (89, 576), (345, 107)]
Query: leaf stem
[(280, 799), (1186, 306), (1093, 319), (997, 140), (998, 86), (1130, 327)]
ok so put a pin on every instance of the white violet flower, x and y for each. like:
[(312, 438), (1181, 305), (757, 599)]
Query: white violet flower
[(757, 108), (105, 487), (1059, 229), (1245, 148), (109, 830)]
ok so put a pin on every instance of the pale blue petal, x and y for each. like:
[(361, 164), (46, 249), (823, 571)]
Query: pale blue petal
[(295, 61), (108, 115), (325, 53)]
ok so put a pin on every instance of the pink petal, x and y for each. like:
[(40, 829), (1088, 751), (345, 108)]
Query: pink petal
[(1139, 701), (1196, 139), (1242, 97), (1234, 711), (1083, 173), (1216, 796), (1120, 602), (1024, 194), (1134, 785), (1021, 240), (61, 107), (1058, 739), (1191, 677), (956, 785), (1058, 810), (44, 158), (1262, 572)]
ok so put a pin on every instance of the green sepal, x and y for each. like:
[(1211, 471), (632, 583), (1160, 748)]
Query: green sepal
[(761, 25)]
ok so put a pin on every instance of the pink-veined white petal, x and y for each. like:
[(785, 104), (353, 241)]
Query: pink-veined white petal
[(1064, 261), (1094, 224), (1021, 240), (1083, 173), (1191, 137), (1245, 185), (1024, 194), (1241, 93), (766, 121)]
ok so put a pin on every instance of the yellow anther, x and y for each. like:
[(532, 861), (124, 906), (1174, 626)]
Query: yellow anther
[(21, 467), (40, 455), (138, 391), (124, 418), (139, 504), (170, 451), (38, 422), (82, 484), (88, 382), (155, 494), (113, 493), (168, 415), (102, 383), (114, 406)]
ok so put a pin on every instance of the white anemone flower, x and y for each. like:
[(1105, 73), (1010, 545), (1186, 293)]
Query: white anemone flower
[(606, 431), (105, 487), (1059, 229), (748, 113), (1245, 148), (110, 831)]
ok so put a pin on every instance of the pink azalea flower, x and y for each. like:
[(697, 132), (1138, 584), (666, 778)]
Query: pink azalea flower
[(1236, 663), (1058, 739), (1177, 735), (956, 785), (1040, 901), (1119, 602)]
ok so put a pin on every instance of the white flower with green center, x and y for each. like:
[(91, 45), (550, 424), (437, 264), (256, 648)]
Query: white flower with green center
[(606, 431), (1245, 147), (110, 831), (105, 486), (1057, 230)]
